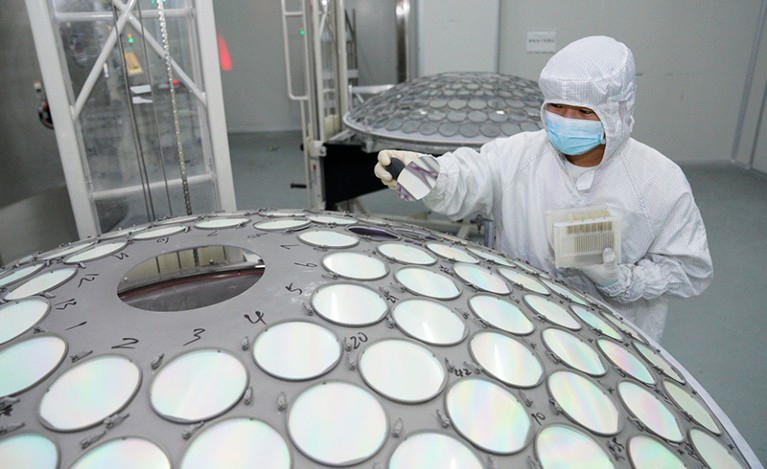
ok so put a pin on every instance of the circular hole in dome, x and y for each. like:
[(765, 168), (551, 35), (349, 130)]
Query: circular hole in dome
[(506, 359), (559, 446), (128, 451), (121, 233), (19, 273), (332, 220), (28, 450), (714, 453), (692, 407), (501, 314), (448, 129), (422, 281), (625, 360), (649, 410), (237, 442), (405, 253), (573, 351), (198, 385), (355, 265), (220, 223), (646, 452), (349, 304), (86, 394), (373, 232), (551, 311), (489, 256), (66, 250), (19, 316), (435, 450), (280, 213), (525, 281), (296, 350), (337, 424), (41, 355), (469, 130), (429, 321), (42, 283), (655, 359), (481, 278), (96, 252), (184, 219), (596, 322), (402, 371), (415, 233), (488, 415), (328, 239), (584, 402), (190, 278)]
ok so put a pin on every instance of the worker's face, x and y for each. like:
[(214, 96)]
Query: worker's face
[(572, 112)]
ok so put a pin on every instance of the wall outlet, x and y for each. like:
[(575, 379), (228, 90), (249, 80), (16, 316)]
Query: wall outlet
[(541, 42)]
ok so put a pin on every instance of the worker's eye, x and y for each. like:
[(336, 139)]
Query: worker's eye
[(555, 106), (586, 111)]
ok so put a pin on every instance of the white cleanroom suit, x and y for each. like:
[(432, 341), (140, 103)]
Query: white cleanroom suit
[(516, 180)]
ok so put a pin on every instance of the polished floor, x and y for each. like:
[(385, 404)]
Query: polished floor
[(718, 337)]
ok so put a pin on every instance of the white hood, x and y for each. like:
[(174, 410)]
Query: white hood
[(596, 72)]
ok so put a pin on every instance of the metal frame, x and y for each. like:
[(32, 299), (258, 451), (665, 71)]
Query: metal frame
[(66, 108)]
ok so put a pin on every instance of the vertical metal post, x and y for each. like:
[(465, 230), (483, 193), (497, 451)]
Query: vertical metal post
[(66, 130), (403, 46)]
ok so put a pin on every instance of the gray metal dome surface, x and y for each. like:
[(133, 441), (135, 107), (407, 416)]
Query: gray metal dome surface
[(281, 338), (448, 110)]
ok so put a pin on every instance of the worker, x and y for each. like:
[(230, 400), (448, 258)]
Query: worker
[(584, 157)]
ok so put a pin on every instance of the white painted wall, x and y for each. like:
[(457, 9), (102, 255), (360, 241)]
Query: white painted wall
[(692, 59)]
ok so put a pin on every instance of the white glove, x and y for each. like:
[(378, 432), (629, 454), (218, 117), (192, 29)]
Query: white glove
[(384, 160), (605, 274)]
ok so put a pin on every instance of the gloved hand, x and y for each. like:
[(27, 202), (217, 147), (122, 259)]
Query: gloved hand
[(605, 274), (384, 160)]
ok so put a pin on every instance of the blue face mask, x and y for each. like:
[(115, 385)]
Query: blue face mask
[(573, 136)]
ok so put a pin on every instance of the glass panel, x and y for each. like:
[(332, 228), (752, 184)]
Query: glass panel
[(506, 359), (349, 304), (430, 450), (28, 450), (406, 254), (237, 443), (96, 252), (655, 359), (501, 314), (40, 356), (584, 402), (126, 232), (328, 239), (646, 452), (481, 278), (18, 317), (159, 232), (650, 411), (124, 452), (402, 371), (14, 275), (625, 360), (712, 451), (220, 223), (561, 446), (593, 320), (42, 283), (332, 220), (198, 385), (66, 251), (83, 396), (573, 351), (489, 256), (525, 281), (282, 224), (337, 424), (551, 311), (176, 220), (425, 282), (452, 253), (564, 292), (429, 321), (694, 409), (488, 415), (355, 265), (296, 350)]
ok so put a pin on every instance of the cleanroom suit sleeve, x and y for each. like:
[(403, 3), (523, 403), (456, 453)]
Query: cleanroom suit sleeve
[(678, 262), (467, 181)]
